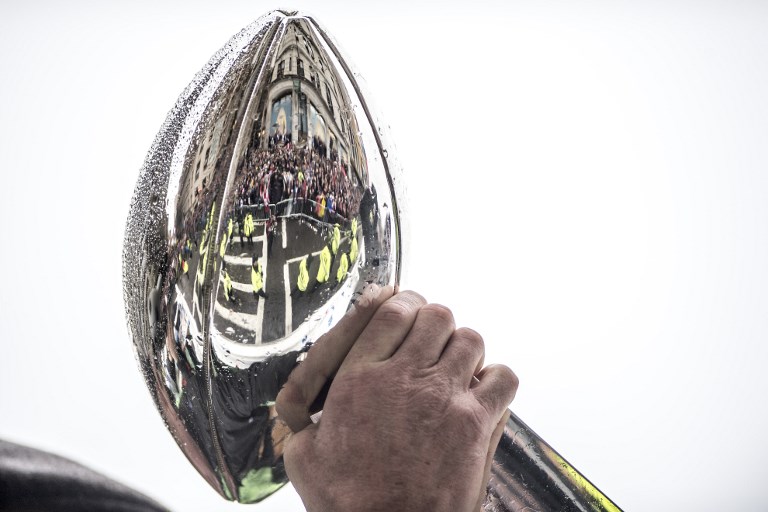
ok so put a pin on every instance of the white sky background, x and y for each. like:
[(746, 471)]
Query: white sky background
[(588, 189)]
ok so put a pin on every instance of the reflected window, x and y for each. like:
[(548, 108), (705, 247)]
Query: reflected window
[(328, 97), (302, 117), (280, 123), (300, 67), (308, 47), (280, 69), (317, 131)]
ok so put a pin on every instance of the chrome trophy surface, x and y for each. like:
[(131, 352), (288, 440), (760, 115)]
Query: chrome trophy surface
[(263, 208), (269, 199)]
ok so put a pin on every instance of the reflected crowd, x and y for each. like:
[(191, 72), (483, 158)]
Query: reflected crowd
[(297, 181)]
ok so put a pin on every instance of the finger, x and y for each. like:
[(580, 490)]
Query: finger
[(494, 443), (308, 379), (495, 388), (428, 337), (386, 330), (463, 355)]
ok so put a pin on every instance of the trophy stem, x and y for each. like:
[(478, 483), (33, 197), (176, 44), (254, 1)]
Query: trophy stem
[(528, 475)]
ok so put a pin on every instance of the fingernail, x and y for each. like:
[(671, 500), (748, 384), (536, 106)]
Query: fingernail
[(369, 294), (373, 290)]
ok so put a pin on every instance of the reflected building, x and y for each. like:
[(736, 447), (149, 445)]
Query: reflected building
[(295, 175), (304, 104)]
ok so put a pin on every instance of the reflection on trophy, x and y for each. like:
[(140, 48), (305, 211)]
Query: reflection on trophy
[(263, 209), (267, 203)]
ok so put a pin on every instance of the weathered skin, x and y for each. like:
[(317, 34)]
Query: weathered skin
[(411, 420)]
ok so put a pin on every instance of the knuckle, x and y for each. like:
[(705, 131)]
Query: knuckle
[(440, 312), (470, 337), (290, 396), (411, 296), (507, 377), (394, 311), (501, 387)]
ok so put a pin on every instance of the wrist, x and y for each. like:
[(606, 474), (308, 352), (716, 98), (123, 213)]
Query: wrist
[(396, 498)]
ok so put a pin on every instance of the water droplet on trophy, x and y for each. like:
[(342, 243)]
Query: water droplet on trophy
[(257, 218)]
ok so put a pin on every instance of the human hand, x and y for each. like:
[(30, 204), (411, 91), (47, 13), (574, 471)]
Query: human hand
[(411, 420)]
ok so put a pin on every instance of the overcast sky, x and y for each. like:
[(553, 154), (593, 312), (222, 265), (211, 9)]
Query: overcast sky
[(588, 188)]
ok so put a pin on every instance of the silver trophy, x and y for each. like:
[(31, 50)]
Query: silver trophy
[(269, 199)]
